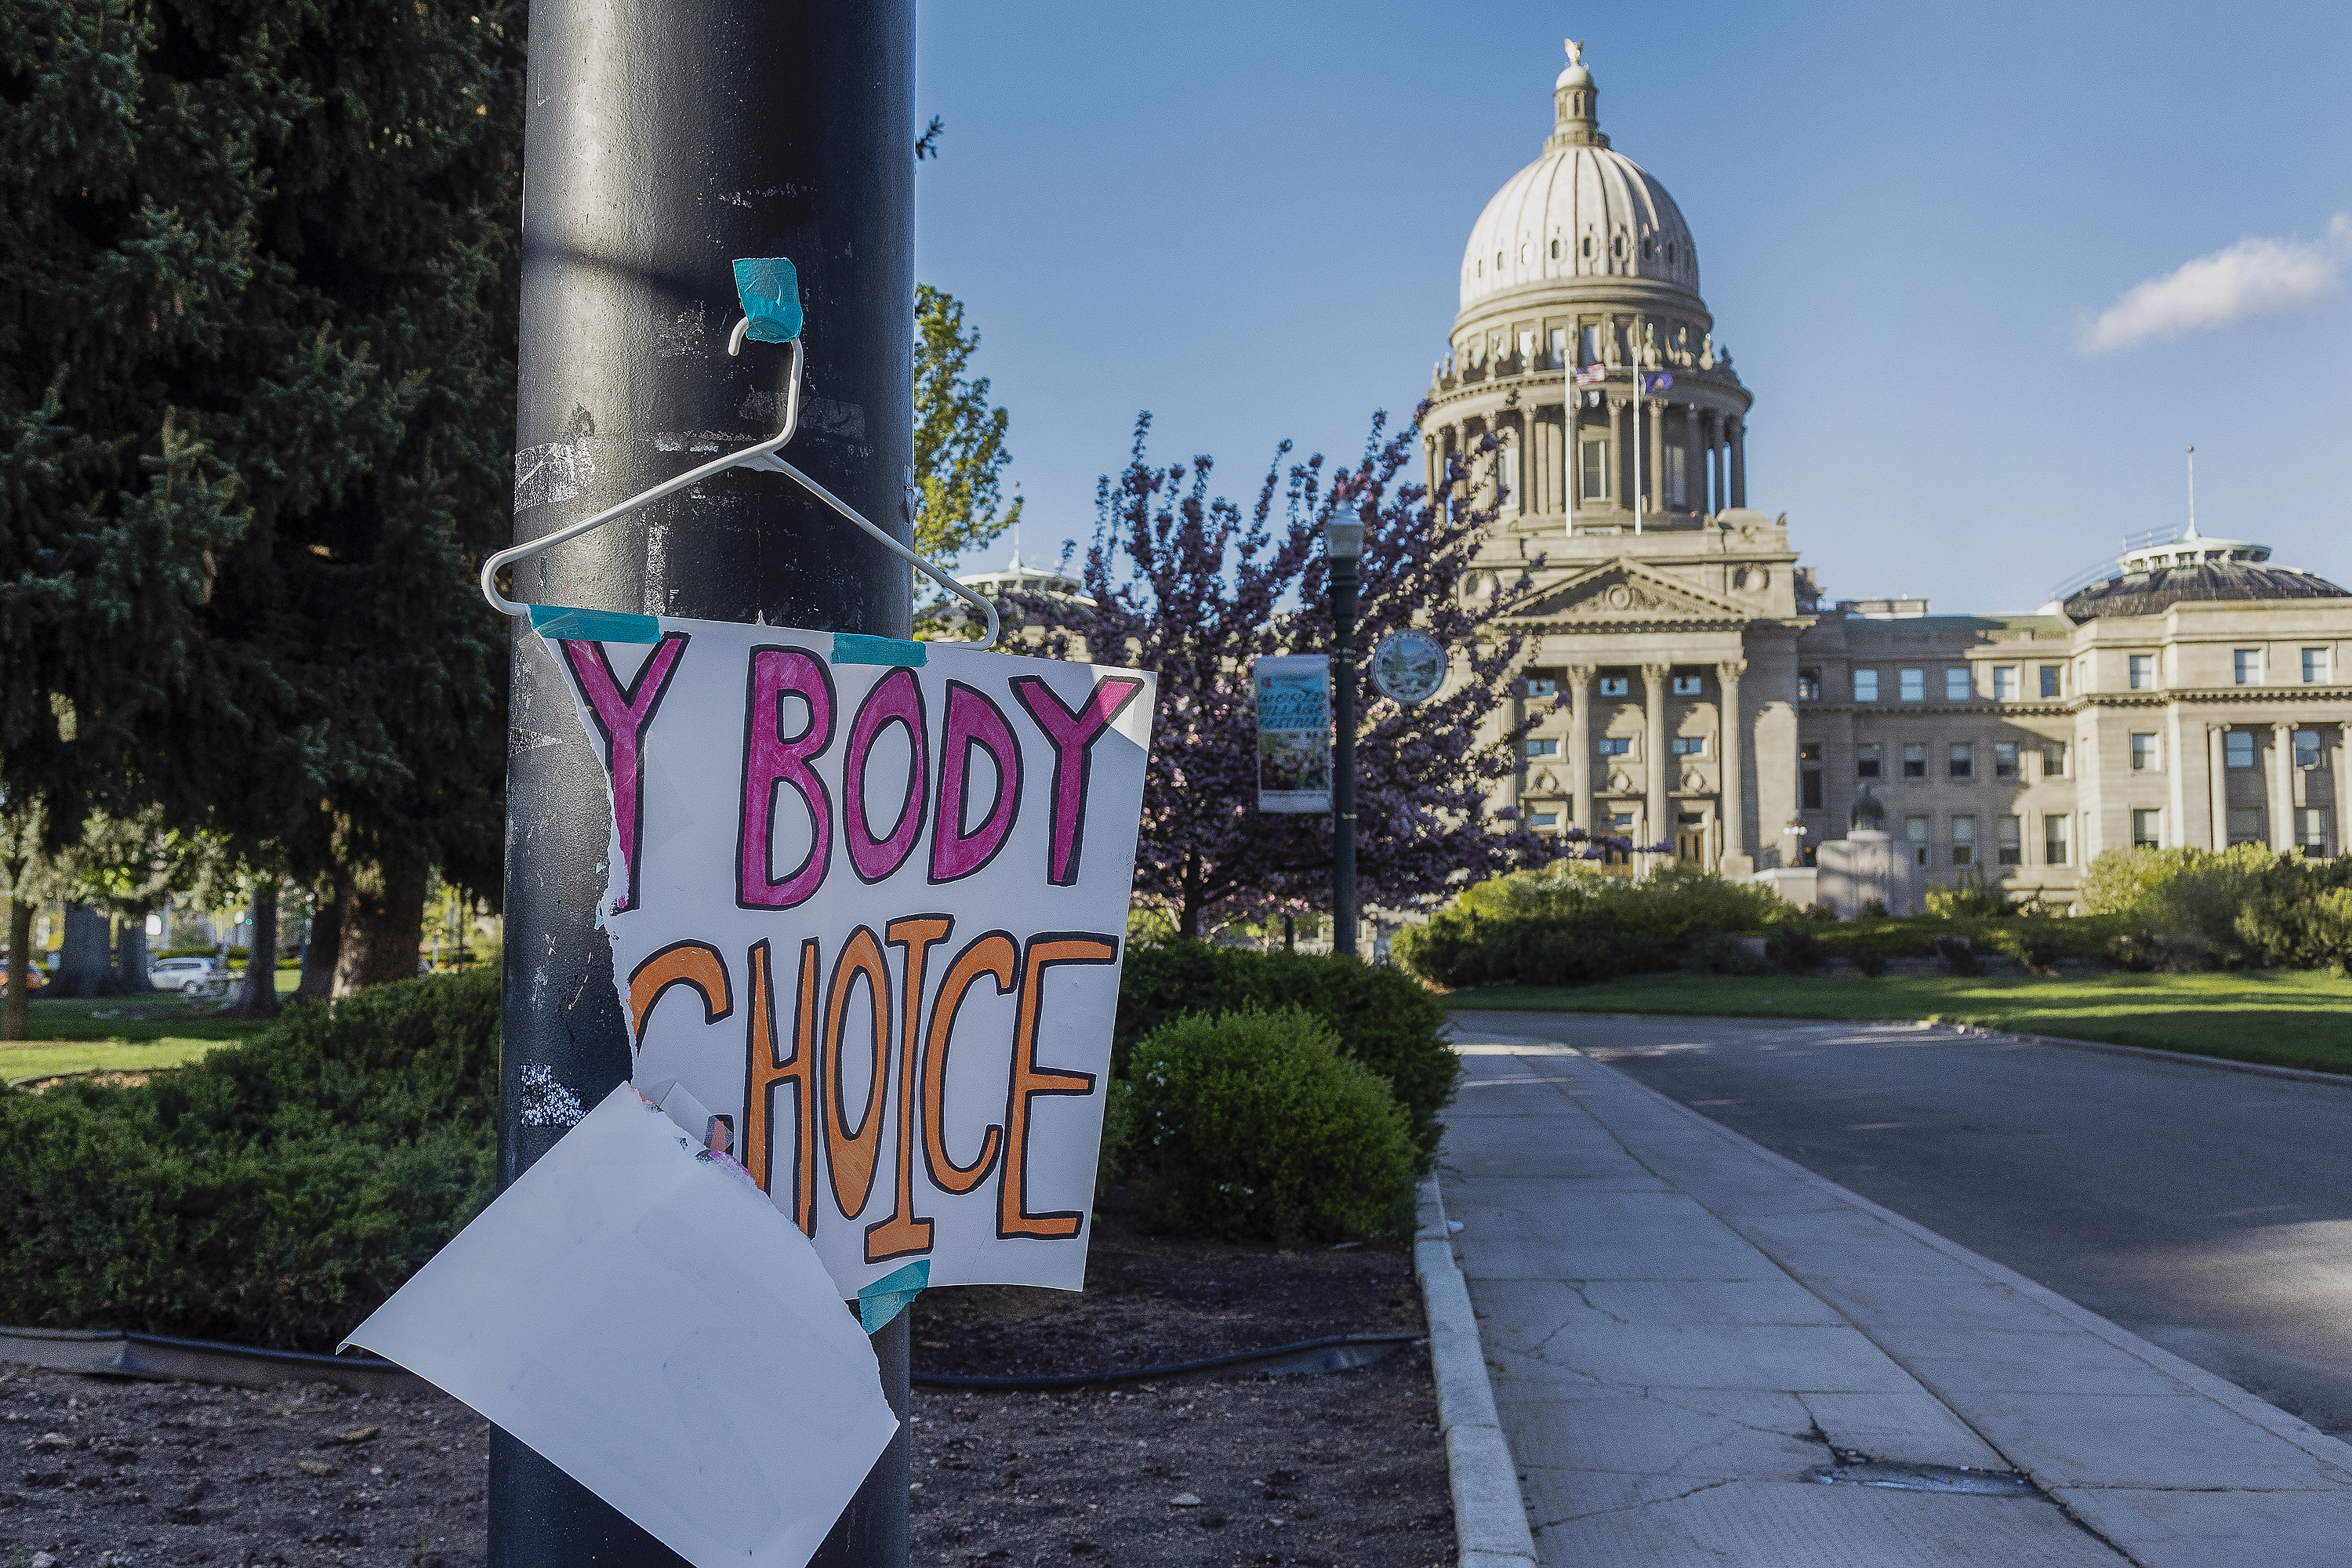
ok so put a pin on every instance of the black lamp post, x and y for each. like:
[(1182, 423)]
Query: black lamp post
[(1343, 546)]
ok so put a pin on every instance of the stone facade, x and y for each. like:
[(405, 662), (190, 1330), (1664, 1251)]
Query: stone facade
[(1681, 683)]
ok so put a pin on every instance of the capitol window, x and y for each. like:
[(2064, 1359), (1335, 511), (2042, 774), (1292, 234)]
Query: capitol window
[(1915, 762), (2143, 672), (1689, 684), (2238, 749), (2245, 667), (2054, 759), (1617, 247), (2004, 683), (2143, 753), (1591, 334), (2050, 679), (2008, 837), (1616, 746), (1649, 247), (1964, 840), (2004, 759), (1866, 685), (2147, 830), (2314, 665), (1963, 761), (1592, 465), (1866, 761), (1914, 685), (1957, 688), (2307, 748), (1539, 687), (1558, 343), (1544, 819), (1543, 748), (1555, 250), (1690, 745), (1614, 685), (1587, 245)]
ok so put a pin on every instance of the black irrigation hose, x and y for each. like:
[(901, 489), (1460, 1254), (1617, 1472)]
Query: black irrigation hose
[(1341, 1352)]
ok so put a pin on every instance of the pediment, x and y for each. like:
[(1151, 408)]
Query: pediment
[(1620, 591)]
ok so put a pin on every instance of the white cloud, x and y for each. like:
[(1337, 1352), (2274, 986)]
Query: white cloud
[(2252, 279)]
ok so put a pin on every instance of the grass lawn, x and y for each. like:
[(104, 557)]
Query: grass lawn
[(2286, 1017), (123, 1033)]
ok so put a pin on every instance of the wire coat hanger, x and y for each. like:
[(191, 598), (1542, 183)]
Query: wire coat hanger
[(766, 320)]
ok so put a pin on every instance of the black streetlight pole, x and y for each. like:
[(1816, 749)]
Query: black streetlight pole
[(1343, 546), (664, 139)]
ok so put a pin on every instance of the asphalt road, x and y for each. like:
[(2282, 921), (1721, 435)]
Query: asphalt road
[(2206, 1210)]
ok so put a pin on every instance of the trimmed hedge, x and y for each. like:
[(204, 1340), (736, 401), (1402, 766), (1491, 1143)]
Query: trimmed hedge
[(273, 1192), (1256, 1127), (1382, 1017)]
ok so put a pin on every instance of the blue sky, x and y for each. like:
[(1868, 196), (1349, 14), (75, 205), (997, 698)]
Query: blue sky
[(1249, 219)]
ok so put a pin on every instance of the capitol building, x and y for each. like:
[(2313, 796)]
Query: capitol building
[(1681, 681)]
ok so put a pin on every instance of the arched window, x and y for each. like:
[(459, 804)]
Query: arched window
[(1649, 247), (1587, 245), (1617, 247), (1555, 250), (1499, 262)]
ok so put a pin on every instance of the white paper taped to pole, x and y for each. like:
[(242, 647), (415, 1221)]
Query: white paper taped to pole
[(646, 1321), (867, 901)]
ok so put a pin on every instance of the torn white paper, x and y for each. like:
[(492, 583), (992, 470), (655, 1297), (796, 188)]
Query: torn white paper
[(657, 1330)]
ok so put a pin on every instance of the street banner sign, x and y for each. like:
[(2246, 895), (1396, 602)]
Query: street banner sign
[(867, 900), (1294, 732), (1409, 667)]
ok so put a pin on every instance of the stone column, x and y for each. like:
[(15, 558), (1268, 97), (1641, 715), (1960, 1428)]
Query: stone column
[(1580, 742), (1714, 462), (2282, 784), (1731, 759), (1653, 462), (1659, 827), (2342, 800), (2217, 786), (1621, 455), (1738, 460)]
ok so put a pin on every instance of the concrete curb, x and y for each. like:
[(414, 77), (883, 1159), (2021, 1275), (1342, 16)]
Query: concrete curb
[(1490, 1516)]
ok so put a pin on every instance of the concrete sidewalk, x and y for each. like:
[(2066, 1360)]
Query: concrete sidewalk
[(1681, 1325)]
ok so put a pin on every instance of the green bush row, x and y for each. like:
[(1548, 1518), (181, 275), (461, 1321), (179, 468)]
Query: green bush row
[(1260, 1126), (2246, 905), (1382, 1017), (272, 1193)]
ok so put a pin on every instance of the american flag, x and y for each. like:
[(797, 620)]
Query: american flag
[(1592, 373)]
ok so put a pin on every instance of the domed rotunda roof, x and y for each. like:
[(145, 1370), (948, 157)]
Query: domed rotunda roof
[(1581, 210), (2152, 578)]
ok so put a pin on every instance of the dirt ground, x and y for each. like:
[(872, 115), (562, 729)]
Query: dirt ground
[(1339, 1469), (96, 1473)]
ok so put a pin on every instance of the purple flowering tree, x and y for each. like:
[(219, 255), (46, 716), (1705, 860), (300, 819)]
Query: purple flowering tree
[(1187, 584)]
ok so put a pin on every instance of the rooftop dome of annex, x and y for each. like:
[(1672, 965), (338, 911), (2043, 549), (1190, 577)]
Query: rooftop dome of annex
[(1582, 210), (2156, 573)]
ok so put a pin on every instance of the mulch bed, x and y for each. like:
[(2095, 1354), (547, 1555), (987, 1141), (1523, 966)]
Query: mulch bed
[(1327, 1470), (1334, 1468), (98, 1472)]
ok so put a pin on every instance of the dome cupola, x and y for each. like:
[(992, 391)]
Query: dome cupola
[(1581, 211)]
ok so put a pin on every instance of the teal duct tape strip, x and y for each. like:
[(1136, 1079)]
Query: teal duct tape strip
[(771, 291), (854, 647), (563, 621), (892, 1295)]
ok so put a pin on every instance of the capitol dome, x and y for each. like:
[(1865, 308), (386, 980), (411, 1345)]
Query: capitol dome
[(1582, 210)]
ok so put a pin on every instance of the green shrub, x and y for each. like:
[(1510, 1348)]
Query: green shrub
[(1382, 1016), (2298, 915), (1566, 924), (1967, 898), (273, 1192), (1797, 949), (1724, 953), (1254, 1126)]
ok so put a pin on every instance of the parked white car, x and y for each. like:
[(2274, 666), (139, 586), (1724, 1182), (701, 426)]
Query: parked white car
[(188, 976)]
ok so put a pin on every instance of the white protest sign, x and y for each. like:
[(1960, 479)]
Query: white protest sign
[(1293, 694), (646, 1322), (868, 904)]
